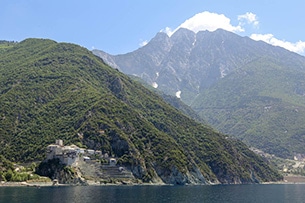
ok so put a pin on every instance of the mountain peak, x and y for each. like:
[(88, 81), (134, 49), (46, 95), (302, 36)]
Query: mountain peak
[(183, 34), (194, 64), (159, 37), (183, 31)]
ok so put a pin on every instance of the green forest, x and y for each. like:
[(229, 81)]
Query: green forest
[(51, 90)]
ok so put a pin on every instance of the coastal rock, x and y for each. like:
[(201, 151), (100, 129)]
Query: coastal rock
[(64, 175)]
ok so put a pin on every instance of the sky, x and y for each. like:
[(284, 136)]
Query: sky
[(121, 26)]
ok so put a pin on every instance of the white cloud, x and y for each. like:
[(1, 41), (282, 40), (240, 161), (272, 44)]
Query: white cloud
[(206, 21), (298, 47), (143, 43), (212, 21), (168, 31), (249, 17)]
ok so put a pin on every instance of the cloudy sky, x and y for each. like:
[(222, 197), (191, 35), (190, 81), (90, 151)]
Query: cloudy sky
[(120, 26)]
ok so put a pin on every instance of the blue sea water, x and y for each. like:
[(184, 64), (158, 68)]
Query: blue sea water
[(220, 193)]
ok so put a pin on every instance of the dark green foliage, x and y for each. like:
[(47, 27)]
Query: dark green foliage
[(262, 104), (5, 164), (5, 45), (52, 90), (9, 173)]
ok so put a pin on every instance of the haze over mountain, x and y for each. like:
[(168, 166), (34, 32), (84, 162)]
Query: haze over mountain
[(52, 90), (245, 88)]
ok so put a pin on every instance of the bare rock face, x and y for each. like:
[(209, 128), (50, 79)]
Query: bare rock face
[(56, 170), (173, 176), (186, 62)]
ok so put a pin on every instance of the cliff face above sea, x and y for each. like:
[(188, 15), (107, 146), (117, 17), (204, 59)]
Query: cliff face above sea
[(60, 173)]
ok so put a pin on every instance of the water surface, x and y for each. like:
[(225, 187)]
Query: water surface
[(146, 194)]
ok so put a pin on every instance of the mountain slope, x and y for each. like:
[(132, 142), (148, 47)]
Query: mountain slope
[(262, 104), (52, 90), (172, 100), (230, 81)]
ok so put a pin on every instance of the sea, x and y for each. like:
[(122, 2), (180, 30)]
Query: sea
[(145, 194)]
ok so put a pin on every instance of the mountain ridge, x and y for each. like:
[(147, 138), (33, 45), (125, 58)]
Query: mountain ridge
[(198, 64), (53, 90)]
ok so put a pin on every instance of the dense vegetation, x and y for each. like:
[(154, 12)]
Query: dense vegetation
[(5, 45), (262, 104), (9, 172), (52, 90)]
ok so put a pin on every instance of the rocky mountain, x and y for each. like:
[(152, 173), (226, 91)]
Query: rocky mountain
[(245, 88), (52, 90)]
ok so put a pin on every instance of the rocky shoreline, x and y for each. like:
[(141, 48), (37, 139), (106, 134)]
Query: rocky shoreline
[(88, 183), (287, 180), (25, 184)]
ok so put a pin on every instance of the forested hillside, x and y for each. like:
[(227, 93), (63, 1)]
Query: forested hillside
[(52, 90)]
